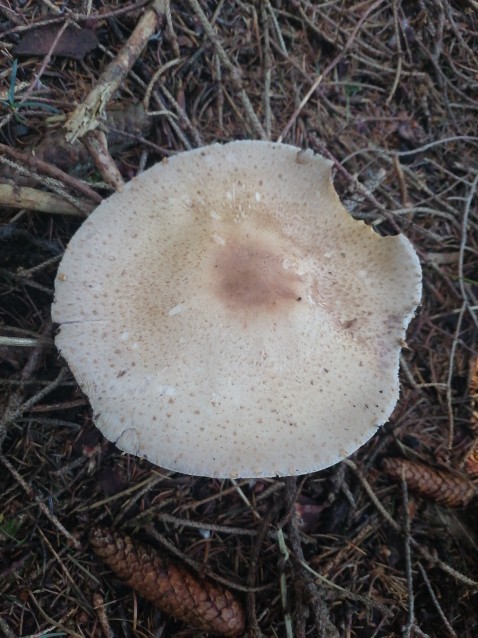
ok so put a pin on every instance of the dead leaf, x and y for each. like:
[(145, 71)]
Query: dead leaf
[(74, 43)]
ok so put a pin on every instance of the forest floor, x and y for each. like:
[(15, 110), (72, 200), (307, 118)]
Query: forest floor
[(389, 92)]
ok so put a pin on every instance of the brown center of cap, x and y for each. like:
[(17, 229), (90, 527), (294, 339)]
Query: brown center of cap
[(253, 277)]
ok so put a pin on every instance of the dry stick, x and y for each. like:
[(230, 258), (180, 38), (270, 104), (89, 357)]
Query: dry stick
[(162, 106), (166, 152), (182, 115), (40, 166), (277, 28), (299, 628), (51, 6), (418, 633), (13, 408), (398, 528), (175, 46), (433, 560), (464, 229), (244, 498), (217, 11), (170, 30), (86, 115), (346, 592), (198, 567), (23, 342), (263, 531), (316, 25), (55, 624), (56, 556), (100, 607), (25, 281), (49, 182), (426, 147), (142, 485), (438, 35), (34, 497), (411, 175), (459, 36), (399, 52), (267, 68), (28, 272), (465, 306), (74, 16), (220, 92), (435, 601), (327, 69), (95, 142), (407, 630), (402, 184), (12, 412), (148, 485), (12, 16), (325, 627), (235, 73), (21, 197), (365, 192), (156, 75), (375, 500), (451, 417), (211, 527)]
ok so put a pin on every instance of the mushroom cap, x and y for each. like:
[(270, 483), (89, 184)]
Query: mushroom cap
[(226, 316)]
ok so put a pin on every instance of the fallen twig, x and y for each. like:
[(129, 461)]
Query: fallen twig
[(311, 591), (39, 501), (86, 116), (29, 161), (95, 142), (33, 199), (233, 70)]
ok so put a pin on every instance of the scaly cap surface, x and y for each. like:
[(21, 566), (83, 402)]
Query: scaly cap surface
[(226, 316)]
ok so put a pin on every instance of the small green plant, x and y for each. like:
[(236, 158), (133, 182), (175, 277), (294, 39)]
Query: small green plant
[(9, 528), (13, 106)]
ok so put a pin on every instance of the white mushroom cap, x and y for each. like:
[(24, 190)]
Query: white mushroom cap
[(226, 316)]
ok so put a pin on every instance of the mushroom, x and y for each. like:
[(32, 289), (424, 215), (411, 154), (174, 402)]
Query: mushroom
[(226, 316)]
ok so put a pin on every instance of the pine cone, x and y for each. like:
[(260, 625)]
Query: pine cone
[(443, 487), (171, 587), (471, 461)]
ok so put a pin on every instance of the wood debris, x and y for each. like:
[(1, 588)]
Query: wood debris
[(473, 391), (24, 197), (471, 461), (95, 142), (86, 116)]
